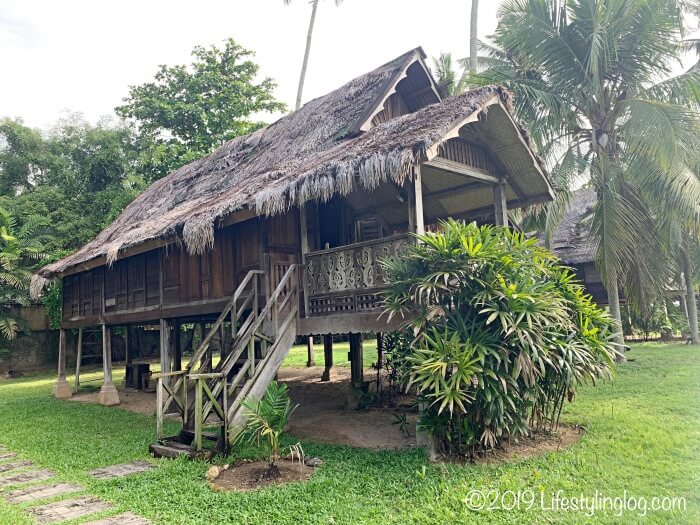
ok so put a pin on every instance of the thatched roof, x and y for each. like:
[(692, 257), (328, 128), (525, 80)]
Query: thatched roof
[(571, 239), (310, 154)]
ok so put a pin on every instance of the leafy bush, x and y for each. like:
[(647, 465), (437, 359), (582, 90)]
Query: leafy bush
[(502, 333), (266, 420)]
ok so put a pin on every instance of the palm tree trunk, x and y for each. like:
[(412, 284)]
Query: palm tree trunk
[(614, 304), (473, 36), (304, 64), (690, 298)]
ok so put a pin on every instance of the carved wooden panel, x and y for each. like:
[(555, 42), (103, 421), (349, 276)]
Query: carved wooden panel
[(349, 278)]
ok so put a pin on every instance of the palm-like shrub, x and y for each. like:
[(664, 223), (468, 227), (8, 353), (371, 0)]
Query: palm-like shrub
[(502, 333), (266, 419), (21, 248)]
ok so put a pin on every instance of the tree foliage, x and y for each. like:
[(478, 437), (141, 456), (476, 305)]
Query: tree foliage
[(188, 111), (21, 250), (502, 333)]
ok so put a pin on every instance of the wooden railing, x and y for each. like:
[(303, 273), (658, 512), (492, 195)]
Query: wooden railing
[(348, 278), (220, 398)]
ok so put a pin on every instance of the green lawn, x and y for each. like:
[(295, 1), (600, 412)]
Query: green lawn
[(643, 437), (297, 355)]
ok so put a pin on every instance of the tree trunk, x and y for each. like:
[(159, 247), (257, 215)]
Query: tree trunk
[(473, 36), (304, 64), (690, 298), (614, 304)]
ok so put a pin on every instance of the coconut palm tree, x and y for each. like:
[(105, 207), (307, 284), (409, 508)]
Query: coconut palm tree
[(473, 36), (309, 36), (592, 78)]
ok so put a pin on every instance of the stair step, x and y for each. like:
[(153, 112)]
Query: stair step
[(171, 450), (214, 436)]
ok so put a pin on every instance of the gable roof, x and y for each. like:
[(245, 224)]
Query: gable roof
[(310, 154)]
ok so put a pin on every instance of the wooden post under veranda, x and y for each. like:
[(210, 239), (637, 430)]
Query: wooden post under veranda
[(327, 358), (108, 395), (78, 359), (61, 389)]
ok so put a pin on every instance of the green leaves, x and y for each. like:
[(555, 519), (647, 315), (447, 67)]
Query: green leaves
[(266, 419), (503, 332), (188, 111)]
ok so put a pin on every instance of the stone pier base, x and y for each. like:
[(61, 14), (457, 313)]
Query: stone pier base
[(61, 389), (108, 395)]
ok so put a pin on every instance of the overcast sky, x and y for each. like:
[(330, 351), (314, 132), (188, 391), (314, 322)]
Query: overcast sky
[(82, 55)]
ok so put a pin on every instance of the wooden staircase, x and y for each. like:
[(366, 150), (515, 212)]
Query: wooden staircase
[(206, 399)]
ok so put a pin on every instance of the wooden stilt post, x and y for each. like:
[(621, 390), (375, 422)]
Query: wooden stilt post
[(356, 365), (380, 350), (327, 357), (108, 393), (500, 206), (353, 400), (78, 359), (177, 347), (310, 360), (61, 390), (165, 347)]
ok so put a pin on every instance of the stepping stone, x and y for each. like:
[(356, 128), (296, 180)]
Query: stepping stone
[(119, 471), (4, 467), (26, 477), (41, 492), (8, 455), (69, 509), (127, 518)]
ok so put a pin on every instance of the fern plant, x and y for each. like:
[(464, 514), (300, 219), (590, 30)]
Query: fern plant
[(266, 420)]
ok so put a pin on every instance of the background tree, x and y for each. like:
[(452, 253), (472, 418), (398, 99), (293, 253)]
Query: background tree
[(473, 36), (307, 49), (77, 176), (586, 75), (188, 111)]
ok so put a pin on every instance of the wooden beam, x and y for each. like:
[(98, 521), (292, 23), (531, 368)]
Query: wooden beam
[(61, 390), (418, 195), (356, 361), (304, 233), (78, 359), (451, 192), (108, 393), (310, 359), (458, 168), (327, 357), (500, 206)]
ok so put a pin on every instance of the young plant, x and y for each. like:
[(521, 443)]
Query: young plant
[(266, 421)]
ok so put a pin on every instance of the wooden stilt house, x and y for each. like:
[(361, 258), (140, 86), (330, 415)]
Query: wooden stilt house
[(279, 233)]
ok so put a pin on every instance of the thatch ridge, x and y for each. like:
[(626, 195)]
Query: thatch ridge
[(571, 240), (296, 159)]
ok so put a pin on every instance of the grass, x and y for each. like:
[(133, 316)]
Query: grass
[(298, 354), (643, 437)]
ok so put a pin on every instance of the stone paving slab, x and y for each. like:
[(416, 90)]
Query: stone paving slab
[(26, 477), (5, 467), (8, 455), (69, 509), (118, 471), (31, 494), (127, 518)]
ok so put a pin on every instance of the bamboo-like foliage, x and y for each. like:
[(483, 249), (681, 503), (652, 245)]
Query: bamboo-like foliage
[(502, 333)]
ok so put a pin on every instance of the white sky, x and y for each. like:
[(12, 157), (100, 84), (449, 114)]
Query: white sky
[(81, 55)]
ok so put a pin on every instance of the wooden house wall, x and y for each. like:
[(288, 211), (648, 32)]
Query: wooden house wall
[(135, 284)]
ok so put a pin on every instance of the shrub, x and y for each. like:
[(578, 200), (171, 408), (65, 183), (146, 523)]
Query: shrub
[(502, 334), (266, 419)]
